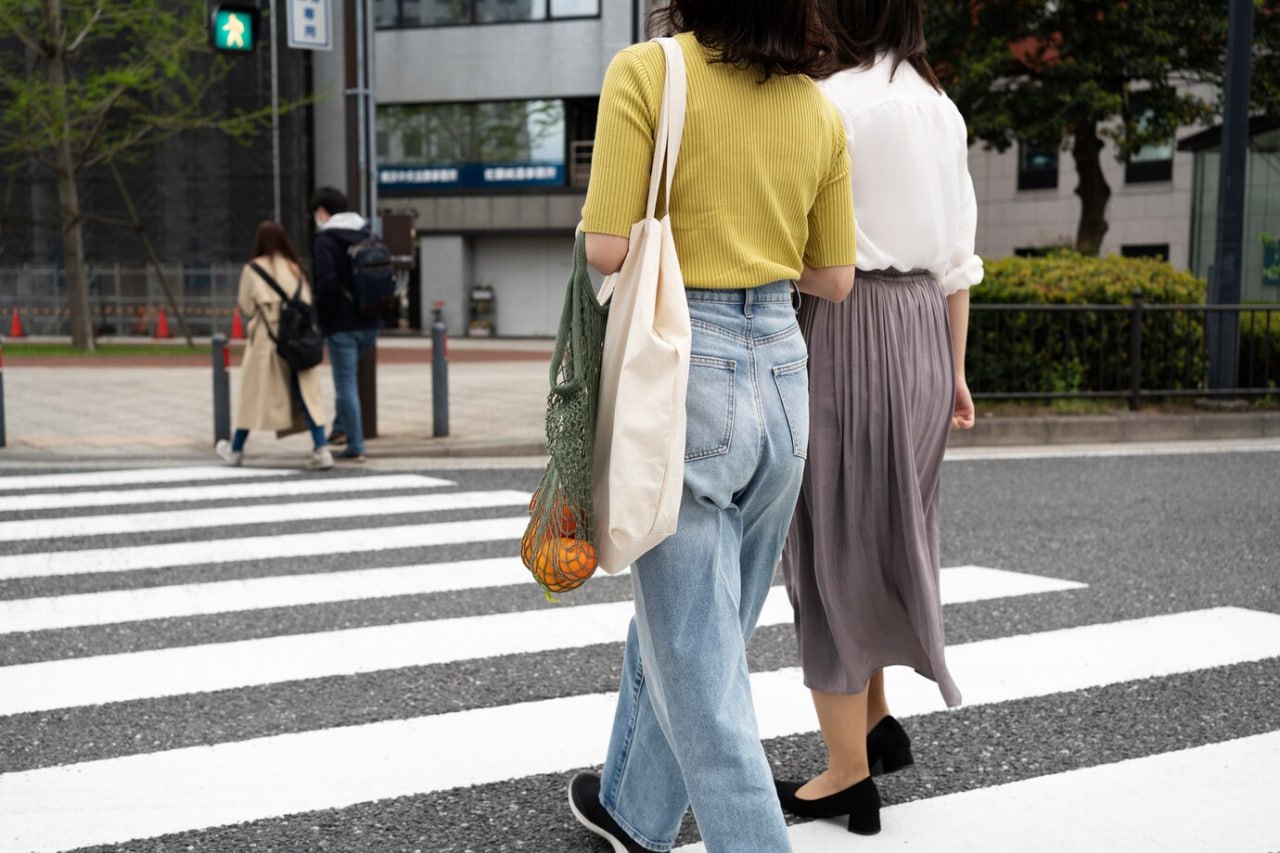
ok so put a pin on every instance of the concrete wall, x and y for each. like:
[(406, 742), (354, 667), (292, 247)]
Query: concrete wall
[(444, 265), (1144, 213), (539, 59)]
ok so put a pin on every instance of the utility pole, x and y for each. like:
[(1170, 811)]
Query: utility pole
[(358, 26), (1224, 278), (275, 112)]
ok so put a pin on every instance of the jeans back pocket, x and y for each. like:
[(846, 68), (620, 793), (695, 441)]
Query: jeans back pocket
[(709, 427), (792, 380)]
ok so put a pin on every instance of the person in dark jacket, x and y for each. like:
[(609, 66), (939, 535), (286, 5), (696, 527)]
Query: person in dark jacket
[(349, 333)]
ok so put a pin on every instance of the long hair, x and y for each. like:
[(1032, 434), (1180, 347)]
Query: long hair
[(271, 239), (778, 37), (865, 29)]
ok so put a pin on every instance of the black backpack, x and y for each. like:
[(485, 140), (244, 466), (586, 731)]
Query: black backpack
[(373, 283), (298, 340)]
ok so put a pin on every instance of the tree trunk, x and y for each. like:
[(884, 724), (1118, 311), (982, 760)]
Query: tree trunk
[(1093, 189), (68, 192)]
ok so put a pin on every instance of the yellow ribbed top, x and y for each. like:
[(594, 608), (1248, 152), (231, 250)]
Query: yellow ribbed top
[(762, 180)]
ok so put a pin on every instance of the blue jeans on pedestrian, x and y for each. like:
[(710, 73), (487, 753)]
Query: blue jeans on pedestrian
[(317, 430), (345, 350), (685, 728)]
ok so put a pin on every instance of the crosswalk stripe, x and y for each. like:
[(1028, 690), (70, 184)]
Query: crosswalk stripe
[(221, 666), (137, 476), (166, 602), (962, 583), (1179, 800), (58, 563), (146, 795), (229, 491), (233, 516)]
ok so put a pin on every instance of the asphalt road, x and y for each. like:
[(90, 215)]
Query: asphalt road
[(1140, 536)]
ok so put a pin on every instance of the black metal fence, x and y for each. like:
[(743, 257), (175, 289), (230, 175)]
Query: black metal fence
[(1134, 352)]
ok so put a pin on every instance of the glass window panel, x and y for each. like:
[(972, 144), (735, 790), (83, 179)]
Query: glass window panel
[(498, 11), (386, 14), (427, 13), (519, 131), (574, 8)]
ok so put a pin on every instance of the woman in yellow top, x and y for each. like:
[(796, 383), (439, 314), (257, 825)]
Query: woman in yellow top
[(760, 206)]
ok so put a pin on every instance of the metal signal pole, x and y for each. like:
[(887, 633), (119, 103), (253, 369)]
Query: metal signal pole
[(1224, 278)]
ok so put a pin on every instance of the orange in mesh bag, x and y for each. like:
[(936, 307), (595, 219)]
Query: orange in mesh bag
[(559, 561)]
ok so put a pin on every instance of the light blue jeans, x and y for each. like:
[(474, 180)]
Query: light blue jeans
[(685, 729), (345, 349)]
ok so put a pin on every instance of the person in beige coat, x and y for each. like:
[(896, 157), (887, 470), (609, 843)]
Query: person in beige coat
[(272, 395)]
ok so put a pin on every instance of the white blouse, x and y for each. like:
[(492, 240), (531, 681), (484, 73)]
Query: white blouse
[(912, 195)]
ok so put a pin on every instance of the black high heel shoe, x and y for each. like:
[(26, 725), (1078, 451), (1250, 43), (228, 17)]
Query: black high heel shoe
[(861, 802), (888, 748)]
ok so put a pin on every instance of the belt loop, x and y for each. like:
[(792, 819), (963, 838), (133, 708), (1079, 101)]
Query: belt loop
[(746, 303), (796, 299)]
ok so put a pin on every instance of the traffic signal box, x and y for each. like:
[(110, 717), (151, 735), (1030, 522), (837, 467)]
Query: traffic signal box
[(234, 27)]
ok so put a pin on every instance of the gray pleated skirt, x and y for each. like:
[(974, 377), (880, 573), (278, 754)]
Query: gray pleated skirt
[(861, 560)]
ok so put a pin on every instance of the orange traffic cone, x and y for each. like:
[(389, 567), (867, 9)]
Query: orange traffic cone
[(162, 324), (15, 326), (237, 325)]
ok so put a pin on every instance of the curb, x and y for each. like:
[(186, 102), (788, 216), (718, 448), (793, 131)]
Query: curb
[(1096, 429)]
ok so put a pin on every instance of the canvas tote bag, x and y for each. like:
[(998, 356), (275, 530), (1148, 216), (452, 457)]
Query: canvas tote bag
[(638, 470)]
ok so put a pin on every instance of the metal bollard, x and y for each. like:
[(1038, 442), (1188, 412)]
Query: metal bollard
[(221, 389), (2, 435), (439, 373)]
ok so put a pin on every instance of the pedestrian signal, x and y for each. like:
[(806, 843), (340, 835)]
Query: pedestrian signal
[(234, 27)]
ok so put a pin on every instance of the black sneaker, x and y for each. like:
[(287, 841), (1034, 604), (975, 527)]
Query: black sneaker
[(584, 801)]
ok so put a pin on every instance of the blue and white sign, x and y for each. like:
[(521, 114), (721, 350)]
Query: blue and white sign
[(471, 176), (310, 24)]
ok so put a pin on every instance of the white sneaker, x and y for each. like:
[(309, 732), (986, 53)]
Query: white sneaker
[(229, 456), (320, 459)]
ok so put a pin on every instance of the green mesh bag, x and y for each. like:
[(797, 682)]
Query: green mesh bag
[(559, 543)]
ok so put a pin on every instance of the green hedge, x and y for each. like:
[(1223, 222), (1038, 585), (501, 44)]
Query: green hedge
[(1087, 350)]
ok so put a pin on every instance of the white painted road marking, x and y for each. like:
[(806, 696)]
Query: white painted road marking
[(68, 527), (245, 663), (140, 796), (56, 563), (229, 491), (137, 476), (964, 583), (1215, 797)]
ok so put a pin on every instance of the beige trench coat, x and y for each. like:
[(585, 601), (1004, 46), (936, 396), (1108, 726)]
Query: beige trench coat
[(265, 398)]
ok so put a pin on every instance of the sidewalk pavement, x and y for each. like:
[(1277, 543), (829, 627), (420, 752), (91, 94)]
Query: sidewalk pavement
[(142, 411)]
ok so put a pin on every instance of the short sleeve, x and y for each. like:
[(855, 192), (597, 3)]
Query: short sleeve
[(623, 152), (832, 235), (964, 266)]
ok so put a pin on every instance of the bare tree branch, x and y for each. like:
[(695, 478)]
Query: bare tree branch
[(88, 27), (20, 34)]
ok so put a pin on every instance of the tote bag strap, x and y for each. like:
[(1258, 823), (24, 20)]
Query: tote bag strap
[(666, 142)]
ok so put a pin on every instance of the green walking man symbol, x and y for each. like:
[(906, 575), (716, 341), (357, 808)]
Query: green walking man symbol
[(234, 28)]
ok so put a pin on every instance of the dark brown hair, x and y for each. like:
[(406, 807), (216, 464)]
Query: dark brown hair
[(271, 239), (864, 29), (778, 37)]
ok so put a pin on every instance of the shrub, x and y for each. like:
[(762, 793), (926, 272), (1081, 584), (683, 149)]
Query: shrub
[(1066, 351)]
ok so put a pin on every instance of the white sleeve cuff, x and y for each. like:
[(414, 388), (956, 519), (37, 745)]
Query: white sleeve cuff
[(964, 276)]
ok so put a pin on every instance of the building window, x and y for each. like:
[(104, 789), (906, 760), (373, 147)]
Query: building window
[(396, 14), (1146, 250), (492, 144), (1153, 162), (1037, 168)]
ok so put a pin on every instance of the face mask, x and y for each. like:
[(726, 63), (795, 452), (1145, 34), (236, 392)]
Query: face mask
[(319, 223)]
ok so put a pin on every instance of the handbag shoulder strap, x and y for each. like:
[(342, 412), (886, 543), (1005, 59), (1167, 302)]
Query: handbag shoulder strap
[(269, 279), (666, 143)]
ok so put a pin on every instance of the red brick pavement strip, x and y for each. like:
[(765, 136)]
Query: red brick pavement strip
[(388, 355)]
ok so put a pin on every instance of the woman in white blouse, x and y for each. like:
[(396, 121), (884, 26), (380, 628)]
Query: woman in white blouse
[(887, 384)]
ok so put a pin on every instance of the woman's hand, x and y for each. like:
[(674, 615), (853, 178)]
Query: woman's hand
[(963, 416)]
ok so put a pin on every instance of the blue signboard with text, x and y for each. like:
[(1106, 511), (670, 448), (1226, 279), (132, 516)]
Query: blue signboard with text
[(471, 176)]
